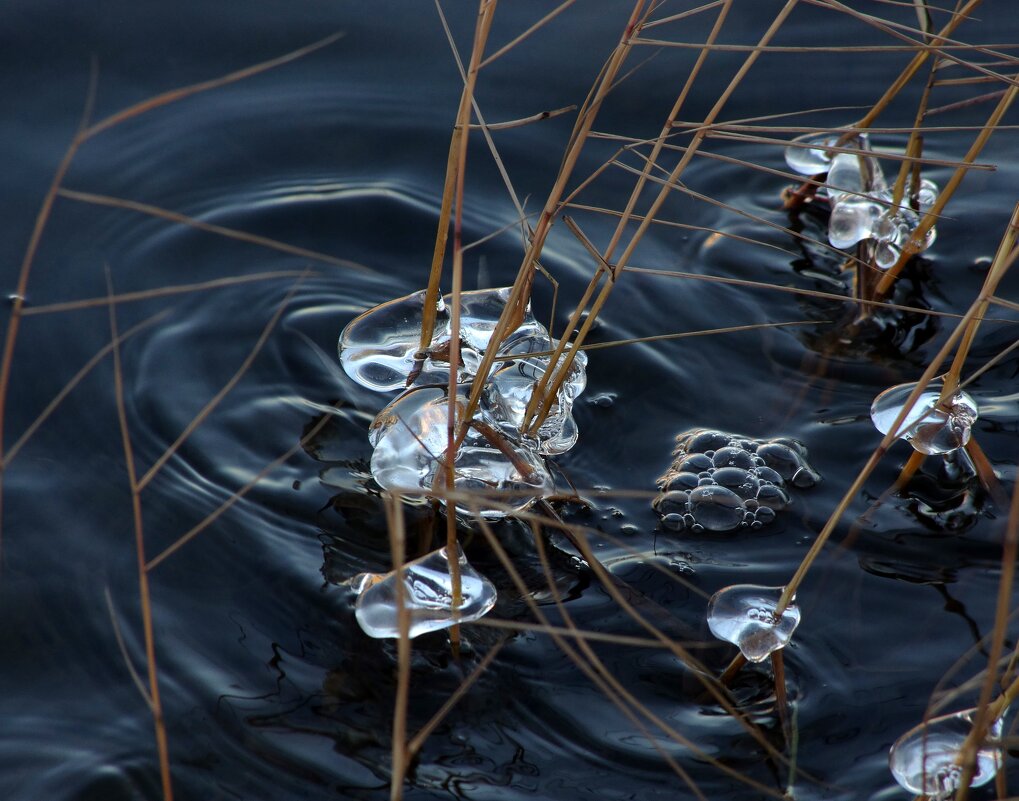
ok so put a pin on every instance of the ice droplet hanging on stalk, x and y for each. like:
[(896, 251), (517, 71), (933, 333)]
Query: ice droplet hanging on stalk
[(925, 760), (428, 596), (744, 614), (928, 427)]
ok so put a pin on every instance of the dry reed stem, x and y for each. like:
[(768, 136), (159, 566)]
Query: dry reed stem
[(155, 704), (213, 516), (212, 228), (400, 753), (520, 293), (982, 720), (597, 673), (206, 410), (76, 379), (549, 387), (915, 242)]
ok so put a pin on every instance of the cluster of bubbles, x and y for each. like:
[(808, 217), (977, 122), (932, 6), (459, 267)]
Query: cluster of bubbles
[(720, 482), (925, 760), (380, 350), (427, 596), (928, 426), (861, 202), (746, 615)]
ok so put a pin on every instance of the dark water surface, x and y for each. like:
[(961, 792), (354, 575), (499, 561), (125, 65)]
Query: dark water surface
[(270, 689)]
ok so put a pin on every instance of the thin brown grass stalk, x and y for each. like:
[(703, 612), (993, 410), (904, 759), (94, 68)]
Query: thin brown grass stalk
[(982, 721), (75, 380), (457, 151), (914, 244), (521, 290), (143, 578), (534, 417), (212, 228), (206, 410), (400, 752)]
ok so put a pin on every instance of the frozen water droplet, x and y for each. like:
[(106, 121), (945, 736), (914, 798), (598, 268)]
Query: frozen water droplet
[(885, 255), (410, 438), (428, 596), (852, 220), (377, 348), (744, 614), (927, 195), (811, 155), (716, 508), (924, 759), (927, 427), (844, 177)]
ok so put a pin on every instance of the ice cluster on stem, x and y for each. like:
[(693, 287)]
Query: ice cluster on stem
[(925, 760), (380, 350), (861, 201), (929, 426), (747, 616)]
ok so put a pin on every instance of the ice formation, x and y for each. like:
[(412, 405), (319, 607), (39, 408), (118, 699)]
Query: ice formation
[(744, 614), (380, 350), (720, 482), (928, 427), (924, 760), (861, 202), (428, 596)]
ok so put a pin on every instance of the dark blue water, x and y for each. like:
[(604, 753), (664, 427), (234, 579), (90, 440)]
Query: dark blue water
[(270, 689)]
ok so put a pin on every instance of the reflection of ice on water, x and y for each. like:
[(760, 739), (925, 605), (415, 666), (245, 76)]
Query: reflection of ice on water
[(428, 596), (379, 349), (924, 760), (744, 614), (927, 427)]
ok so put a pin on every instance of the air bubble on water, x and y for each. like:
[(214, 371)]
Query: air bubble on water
[(428, 597), (924, 760), (744, 614), (928, 427), (721, 481)]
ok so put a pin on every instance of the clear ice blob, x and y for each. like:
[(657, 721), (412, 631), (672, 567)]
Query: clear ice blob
[(924, 759), (744, 614), (812, 153), (428, 596), (852, 220), (926, 195), (411, 437), (927, 427), (853, 175), (377, 348)]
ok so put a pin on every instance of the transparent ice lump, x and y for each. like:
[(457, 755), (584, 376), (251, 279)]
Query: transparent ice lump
[(924, 760), (380, 350), (744, 614), (929, 428), (721, 482), (428, 596), (861, 202)]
